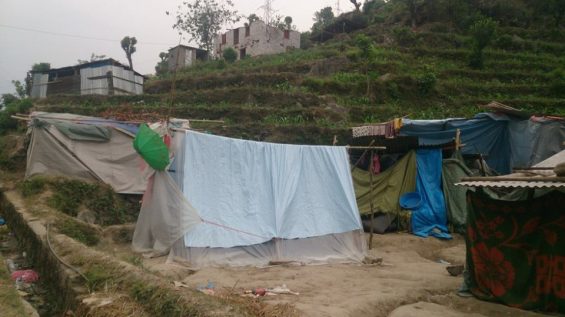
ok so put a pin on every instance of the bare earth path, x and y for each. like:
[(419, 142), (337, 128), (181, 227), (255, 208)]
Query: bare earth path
[(411, 282)]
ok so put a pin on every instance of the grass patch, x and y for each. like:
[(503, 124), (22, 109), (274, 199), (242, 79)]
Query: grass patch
[(79, 231), (10, 302)]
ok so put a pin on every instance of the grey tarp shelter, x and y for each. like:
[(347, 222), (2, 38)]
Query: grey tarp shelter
[(86, 148)]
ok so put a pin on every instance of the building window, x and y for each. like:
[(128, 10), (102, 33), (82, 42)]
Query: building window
[(224, 38), (235, 36), (247, 31), (286, 34)]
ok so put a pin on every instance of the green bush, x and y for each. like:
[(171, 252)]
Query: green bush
[(230, 55), (404, 36), (426, 82), (32, 186)]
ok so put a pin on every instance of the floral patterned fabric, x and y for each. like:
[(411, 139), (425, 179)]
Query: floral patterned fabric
[(516, 250)]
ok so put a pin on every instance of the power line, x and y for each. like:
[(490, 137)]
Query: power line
[(75, 35)]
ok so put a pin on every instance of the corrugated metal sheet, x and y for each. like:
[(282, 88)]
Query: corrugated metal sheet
[(514, 184), (39, 86), (90, 86)]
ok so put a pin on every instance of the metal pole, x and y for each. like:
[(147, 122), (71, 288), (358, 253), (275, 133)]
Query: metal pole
[(371, 171)]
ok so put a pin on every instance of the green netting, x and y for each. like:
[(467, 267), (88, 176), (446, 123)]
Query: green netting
[(151, 147), (387, 186)]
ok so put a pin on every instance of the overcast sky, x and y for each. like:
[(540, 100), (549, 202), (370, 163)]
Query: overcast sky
[(107, 21)]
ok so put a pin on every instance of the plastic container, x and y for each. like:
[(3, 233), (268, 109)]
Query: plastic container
[(410, 201)]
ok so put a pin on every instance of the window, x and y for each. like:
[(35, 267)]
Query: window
[(286, 34), (224, 39), (247, 31), (235, 36)]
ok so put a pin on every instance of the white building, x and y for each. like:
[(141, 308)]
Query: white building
[(256, 39), (103, 77)]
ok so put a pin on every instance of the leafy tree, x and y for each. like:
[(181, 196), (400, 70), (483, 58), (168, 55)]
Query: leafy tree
[(288, 22), (556, 8), (162, 66), (20, 89), (365, 45), (323, 18), (357, 4), (252, 18), (413, 7), (128, 45), (482, 32), (230, 55), (203, 19)]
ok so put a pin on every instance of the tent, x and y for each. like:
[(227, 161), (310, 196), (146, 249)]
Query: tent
[(234, 202), (87, 148), (516, 243)]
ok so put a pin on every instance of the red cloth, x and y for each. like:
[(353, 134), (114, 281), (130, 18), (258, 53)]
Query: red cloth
[(28, 276)]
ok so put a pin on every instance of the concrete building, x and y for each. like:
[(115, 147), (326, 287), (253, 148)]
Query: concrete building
[(256, 39), (184, 56), (104, 77)]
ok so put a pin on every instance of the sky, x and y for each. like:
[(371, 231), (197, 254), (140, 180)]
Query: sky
[(31, 31)]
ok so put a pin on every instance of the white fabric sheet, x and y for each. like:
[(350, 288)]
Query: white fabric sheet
[(249, 192)]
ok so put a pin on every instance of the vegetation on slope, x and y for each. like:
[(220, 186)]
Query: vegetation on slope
[(422, 71)]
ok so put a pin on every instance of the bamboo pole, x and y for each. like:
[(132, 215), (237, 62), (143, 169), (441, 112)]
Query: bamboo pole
[(371, 172)]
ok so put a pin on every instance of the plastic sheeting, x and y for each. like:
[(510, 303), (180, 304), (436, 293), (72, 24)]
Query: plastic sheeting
[(430, 218), (165, 216), (251, 192), (333, 248), (388, 186), (114, 162), (455, 196), (487, 134), (535, 140)]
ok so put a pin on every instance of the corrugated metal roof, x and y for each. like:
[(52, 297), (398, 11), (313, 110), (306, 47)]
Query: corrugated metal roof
[(514, 184)]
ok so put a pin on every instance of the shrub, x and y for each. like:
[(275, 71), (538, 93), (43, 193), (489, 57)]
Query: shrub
[(32, 186), (230, 55), (426, 82), (404, 36), (482, 32)]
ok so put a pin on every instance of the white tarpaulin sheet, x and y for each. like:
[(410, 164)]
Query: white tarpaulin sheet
[(251, 192)]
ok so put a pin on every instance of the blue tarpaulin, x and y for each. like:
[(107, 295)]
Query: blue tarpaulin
[(486, 134), (430, 218)]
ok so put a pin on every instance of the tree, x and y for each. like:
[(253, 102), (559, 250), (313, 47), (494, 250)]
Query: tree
[(482, 33), (557, 9), (203, 19), (288, 22), (413, 7), (357, 4), (20, 89), (230, 55), (365, 45), (252, 18), (128, 45), (162, 66), (323, 18)]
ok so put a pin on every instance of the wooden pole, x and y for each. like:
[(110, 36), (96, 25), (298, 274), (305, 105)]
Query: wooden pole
[(371, 171)]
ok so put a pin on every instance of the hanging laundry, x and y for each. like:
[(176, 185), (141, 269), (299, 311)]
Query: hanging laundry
[(383, 129), (376, 164)]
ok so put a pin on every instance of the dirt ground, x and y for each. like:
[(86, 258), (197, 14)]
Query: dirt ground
[(412, 281)]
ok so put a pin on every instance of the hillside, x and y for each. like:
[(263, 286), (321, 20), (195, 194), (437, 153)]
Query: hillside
[(310, 95)]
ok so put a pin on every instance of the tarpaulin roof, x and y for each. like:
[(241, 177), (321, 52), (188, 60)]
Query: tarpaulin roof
[(486, 133)]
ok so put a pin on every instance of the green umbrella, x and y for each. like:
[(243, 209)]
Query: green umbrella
[(151, 147)]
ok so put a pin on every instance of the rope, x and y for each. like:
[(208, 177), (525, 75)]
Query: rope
[(62, 261), (233, 229)]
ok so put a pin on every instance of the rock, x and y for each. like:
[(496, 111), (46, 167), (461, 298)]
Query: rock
[(385, 77), (87, 216)]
